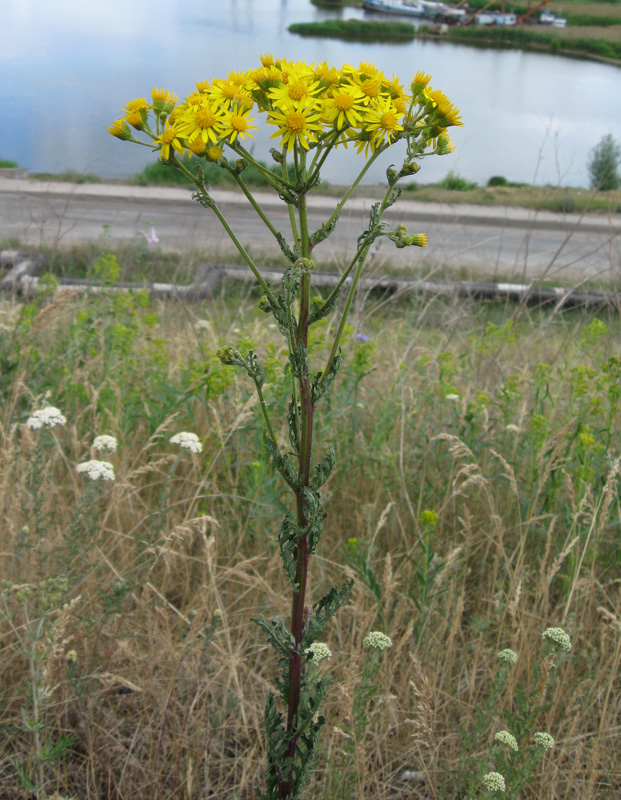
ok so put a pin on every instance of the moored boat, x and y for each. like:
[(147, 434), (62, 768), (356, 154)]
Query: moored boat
[(412, 8)]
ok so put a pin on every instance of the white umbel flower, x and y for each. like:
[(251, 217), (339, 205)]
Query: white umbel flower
[(543, 740), (318, 652), (377, 640), (558, 637), (105, 443), (507, 656), (494, 781), (188, 441), (97, 469), (47, 417), (504, 737)]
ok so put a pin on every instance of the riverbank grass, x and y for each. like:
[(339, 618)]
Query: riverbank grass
[(356, 30)]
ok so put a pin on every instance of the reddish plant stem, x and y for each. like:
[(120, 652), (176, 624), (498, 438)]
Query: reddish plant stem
[(299, 597)]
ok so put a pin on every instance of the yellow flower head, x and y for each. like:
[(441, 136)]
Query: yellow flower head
[(267, 59), (237, 124), (394, 88), (382, 121), (167, 139), (230, 92), (300, 86), (327, 75), (445, 145), (420, 81), (120, 129), (163, 100), (368, 70), (448, 113), (298, 124), (371, 88), (196, 147), (203, 86), (344, 107), (194, 99), (204, 121), (214, 153)]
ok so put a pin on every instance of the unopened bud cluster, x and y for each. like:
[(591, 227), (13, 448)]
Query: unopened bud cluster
[(507, 656), (377, 640), (318, 652), (504, 737), (543, 740), (558, 637), (494, 782)]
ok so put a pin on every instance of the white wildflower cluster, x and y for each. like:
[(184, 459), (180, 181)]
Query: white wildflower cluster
[(97, 469), (377, 640), (494, 781), (507, 656), (104, 442), (512, 428), (318, 652), (453, 398), (504, 737), (188, 441), (558, 637), (543, 740), (47, 417)]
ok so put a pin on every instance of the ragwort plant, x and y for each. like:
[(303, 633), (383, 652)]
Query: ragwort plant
[(315, 110)]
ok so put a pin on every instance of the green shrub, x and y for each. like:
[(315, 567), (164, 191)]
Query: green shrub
[(498, 180), (457, 184), (6, 163), (603, 164), (158, 174)]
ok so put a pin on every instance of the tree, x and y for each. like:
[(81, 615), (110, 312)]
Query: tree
[(603, 164)]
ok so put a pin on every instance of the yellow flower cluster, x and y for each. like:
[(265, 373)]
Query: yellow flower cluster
[(309, 105)]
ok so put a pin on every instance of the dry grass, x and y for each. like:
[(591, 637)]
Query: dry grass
[(166, 697)]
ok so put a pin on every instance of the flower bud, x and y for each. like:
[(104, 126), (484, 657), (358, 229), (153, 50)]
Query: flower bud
[(214, 153), (265, 305), (445, 145), (120, 129), (409, 168), (229, 355)]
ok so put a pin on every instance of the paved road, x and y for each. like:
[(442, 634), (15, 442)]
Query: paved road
[(506, 243)]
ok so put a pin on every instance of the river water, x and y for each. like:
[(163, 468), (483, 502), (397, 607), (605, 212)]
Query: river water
[(68, 66)]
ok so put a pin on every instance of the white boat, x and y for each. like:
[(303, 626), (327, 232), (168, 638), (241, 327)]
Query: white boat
[(549, 18), (411, 8), (495, 18)]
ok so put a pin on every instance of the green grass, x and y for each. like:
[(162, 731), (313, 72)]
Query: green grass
[(538, 39), (158, 174), (356, 30), (67, 175)]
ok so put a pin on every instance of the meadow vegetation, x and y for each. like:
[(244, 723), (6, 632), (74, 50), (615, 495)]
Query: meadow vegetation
[(475, 504)]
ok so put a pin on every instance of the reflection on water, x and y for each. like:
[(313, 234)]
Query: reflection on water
[(67, 68)]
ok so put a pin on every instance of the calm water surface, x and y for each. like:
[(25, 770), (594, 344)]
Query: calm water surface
[(68, 66)]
